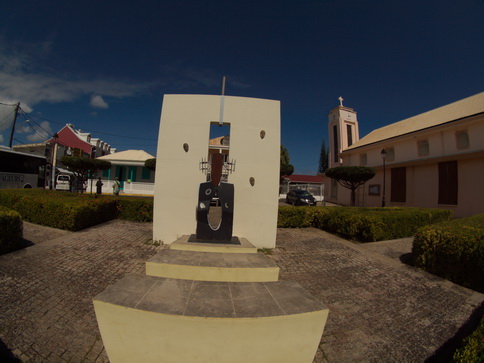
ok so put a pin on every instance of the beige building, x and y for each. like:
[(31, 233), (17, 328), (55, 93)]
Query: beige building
[(435, 159)]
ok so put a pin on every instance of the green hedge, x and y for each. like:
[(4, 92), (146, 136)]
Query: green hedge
[(362, 224), (135, 209), (12, 228), (473, 349), (62, 210), (295, 217), (453, 250)]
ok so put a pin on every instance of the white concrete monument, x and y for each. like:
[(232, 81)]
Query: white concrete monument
[(215, 301), (254, 147)]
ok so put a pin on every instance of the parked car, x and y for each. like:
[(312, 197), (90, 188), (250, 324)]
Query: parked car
[(63, 182), (300, 197)]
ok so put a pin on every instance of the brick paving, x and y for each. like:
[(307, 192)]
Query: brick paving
[(380, 309), (46, 290)]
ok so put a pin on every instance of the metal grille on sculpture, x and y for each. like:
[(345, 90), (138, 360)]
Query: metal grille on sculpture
[(208, 294)]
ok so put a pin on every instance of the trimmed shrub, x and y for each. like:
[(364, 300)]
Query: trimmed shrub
[(135, 209), (473, 349), (294, 217), (362, 224), (453, 250), (68, 211), (74, 211), (380, 224), (12, 230)]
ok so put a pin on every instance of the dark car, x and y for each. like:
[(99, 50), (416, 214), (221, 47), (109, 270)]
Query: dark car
[(300, 197)]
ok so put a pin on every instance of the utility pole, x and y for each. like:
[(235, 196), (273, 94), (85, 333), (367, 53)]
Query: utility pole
[(13, 125)]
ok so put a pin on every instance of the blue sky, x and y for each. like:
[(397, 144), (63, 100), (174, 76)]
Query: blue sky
[(105, 65)]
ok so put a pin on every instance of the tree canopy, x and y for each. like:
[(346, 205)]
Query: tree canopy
[(351, 177), (150, 164), (323, 158), (286, 167), (82, 166)]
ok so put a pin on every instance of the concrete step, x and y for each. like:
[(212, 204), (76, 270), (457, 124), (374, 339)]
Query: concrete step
[(146, 318), (243, 246), (208, 266)]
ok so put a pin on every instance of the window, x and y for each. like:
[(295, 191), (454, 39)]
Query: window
[(399, 185), (462, 139), (349, 134), (334, 188), (423, 147), (132, 173), (374, 190), (448, 182), (363, 159), (390, 153), (335, 144)]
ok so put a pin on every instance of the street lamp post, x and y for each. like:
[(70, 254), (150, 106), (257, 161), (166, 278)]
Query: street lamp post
[(54, 161), (383, 156)]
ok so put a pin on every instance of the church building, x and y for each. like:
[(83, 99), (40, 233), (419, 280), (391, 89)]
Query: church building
[(432, 160)]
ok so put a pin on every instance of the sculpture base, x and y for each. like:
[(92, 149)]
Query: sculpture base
[(234, 241), (149, 319), (209, 303)]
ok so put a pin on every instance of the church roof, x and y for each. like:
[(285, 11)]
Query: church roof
[(452, 112), (128, 155)]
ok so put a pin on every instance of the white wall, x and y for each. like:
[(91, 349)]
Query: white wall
[(186, 119)]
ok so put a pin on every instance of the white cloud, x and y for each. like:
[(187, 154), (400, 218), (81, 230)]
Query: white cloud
[(7, 115), (42, 132), (23, 129), (20, 81), (97, 101)]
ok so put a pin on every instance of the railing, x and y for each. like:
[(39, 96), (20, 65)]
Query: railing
[(135, 188), (317, 190)]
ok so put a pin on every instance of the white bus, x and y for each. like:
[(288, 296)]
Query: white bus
[(21, 170)]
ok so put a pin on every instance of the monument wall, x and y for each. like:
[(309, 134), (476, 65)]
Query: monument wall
[(183, 143)]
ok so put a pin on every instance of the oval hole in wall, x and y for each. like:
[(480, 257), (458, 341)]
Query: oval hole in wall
[(262, 134), (215, 214), (252, 181), (185, 147)]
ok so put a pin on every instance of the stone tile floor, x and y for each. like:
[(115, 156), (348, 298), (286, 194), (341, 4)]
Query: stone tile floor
[(381, 310)]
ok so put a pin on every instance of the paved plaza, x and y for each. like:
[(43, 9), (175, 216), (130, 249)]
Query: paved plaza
[(381, 310)]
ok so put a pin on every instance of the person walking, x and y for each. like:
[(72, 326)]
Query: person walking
[(99, 186), (116, 186)]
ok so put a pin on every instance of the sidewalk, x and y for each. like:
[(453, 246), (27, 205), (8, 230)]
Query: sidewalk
[(381, 310)]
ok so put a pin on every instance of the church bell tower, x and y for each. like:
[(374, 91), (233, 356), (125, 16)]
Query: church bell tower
[(343, 132)]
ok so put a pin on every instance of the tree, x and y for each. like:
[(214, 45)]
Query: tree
[(323, 158), (82, 166), (286, 167), (351, 177), (150, 164)]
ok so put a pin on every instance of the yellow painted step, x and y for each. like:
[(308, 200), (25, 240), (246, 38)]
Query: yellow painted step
[(183, 244), (207, 266)]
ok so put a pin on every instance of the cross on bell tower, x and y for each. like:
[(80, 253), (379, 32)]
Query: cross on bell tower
[(343, 131)]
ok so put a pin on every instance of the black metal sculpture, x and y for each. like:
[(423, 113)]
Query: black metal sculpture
[(208, 192)]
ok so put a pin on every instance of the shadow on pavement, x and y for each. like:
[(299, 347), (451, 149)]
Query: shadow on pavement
[(6, 355), (446, 351), (407, 259)]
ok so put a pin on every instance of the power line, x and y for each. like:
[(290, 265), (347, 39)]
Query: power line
[(34, 122), (97, 132), (8, 114)]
